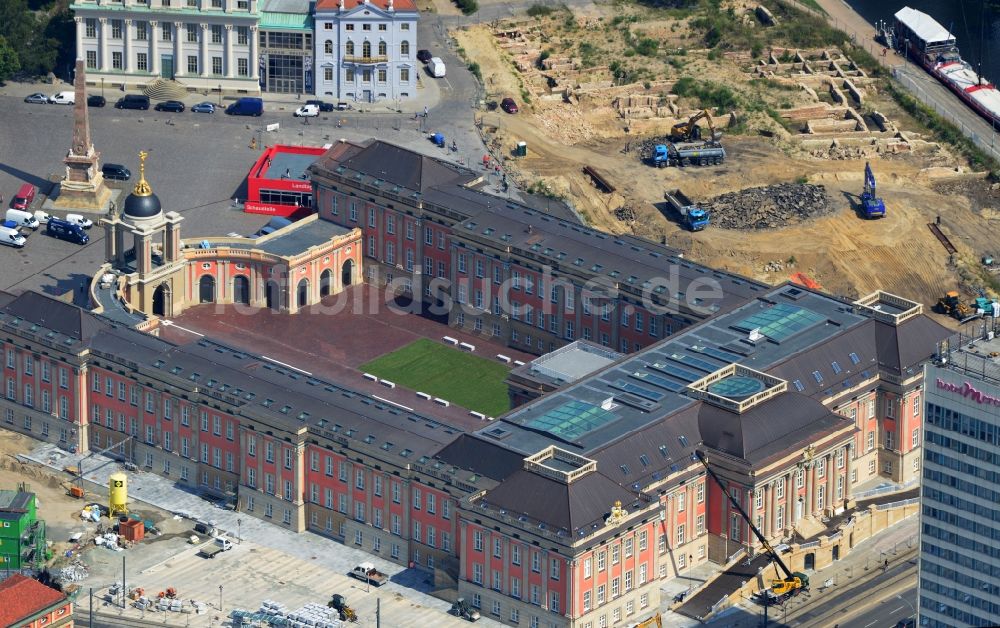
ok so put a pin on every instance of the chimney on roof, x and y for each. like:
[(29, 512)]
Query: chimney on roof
[(390, 6)]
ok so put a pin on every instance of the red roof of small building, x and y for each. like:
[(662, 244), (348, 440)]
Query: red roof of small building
[(398, 5), (21, 597)]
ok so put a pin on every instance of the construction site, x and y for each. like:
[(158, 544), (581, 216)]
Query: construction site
[(781, 146)]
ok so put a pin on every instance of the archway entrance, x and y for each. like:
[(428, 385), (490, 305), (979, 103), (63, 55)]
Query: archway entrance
[(206, 289), (303, 293), (326, 283), (809, 562), (273, 296), (160, 300), (347, 273), (241, 289)]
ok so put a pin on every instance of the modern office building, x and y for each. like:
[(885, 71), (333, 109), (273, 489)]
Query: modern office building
[(366, 51), (959, 572), (286, 47), (205, 45), (22, 533)]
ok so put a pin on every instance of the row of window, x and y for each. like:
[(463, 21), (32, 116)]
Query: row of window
[(28, 399), (45, 368), (515, 588), (366, 26), (620, 585), (365, 76), (167, 30), (366, 48), (497, 610), (28, 423), (616, 613), (193, 66)]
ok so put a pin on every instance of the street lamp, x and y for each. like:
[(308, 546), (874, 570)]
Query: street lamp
[(239, 531), (102, 87), (220, 598), (908, 603), (220, 94)]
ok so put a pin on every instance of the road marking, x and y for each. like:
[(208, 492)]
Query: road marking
[(190, 331), (445, 79), (893, 612), (286, 365), (871, 624)]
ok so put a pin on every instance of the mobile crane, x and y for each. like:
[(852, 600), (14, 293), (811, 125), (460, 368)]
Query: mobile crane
[(792, 583), (690, 131)]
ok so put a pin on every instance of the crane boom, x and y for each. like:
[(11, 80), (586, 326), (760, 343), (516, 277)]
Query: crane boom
[(760, 537)]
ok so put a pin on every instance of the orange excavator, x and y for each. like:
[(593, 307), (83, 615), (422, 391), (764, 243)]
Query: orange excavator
[(655, 620)]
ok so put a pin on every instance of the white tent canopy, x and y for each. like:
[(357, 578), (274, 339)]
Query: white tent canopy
[(924, 26)]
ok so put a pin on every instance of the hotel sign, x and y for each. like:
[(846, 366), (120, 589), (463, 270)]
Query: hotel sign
[(969, 392)]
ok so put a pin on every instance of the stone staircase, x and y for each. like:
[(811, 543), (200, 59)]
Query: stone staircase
[(162, 89)]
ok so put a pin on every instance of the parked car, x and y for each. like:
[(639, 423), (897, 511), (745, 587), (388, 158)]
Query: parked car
[(37, 98), (436, 67), (246, 106), (25, 196), (63, 98), (11, 237), (170, 105), (133, 101), (117, 172), (21, 218), (96, 101), (423, 56), (307, 111), (65, 230), (508, 105), (80, 221), (42, 217), (322, 104), (203, 107)]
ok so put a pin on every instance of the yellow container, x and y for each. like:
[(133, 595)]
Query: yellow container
[(118, 494)]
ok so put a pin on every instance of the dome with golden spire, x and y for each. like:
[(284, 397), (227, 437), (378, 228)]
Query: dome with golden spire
[(142, 203)]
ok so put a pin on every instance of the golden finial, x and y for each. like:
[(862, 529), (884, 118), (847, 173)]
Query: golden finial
[(142, 187)]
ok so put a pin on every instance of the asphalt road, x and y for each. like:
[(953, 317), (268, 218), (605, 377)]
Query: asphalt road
[(871, 600)]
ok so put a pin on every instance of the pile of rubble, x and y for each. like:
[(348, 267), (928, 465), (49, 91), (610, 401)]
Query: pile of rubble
[(74, 572), (768, 207), (625, 213), (644, 147)]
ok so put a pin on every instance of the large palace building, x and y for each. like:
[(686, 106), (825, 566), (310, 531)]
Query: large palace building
[(570, 510)]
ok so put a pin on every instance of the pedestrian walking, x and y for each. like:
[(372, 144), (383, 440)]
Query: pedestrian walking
[(253, 143), (425, 111), (885, 565)]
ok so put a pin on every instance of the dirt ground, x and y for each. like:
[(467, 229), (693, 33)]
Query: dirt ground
[(844, 253)]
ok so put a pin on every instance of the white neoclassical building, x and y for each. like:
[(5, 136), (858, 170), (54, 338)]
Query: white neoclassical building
[(206, 45), (366, 50)]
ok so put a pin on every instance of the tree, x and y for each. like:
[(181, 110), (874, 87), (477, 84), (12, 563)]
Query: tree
[(9, 63), (27, 36)]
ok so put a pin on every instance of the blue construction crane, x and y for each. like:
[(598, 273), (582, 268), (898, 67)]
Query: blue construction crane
[(871, 204)]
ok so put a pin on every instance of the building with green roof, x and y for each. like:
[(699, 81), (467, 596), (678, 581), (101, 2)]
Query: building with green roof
[(22, 534)]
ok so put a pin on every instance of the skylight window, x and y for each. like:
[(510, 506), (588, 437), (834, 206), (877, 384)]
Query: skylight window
[(818, 377)]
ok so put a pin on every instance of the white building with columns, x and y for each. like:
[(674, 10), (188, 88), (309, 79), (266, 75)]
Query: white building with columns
[(206, 45), (366, 50)]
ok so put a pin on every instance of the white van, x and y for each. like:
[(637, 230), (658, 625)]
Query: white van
[(224, 543), (41, 217), (77, 219), (22, 218), (436, 67), (11, 237), (63, 98)]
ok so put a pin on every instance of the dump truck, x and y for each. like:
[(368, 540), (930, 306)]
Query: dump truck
[(366, 572), (694, 217), (688, 154)]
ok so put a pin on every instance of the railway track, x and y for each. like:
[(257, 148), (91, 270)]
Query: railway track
[(936, 230)]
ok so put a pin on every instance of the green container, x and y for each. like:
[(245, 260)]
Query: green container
[(521, 150)]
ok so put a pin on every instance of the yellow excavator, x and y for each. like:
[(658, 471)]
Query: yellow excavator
[(655, 620), (690, 131), (791, 583)]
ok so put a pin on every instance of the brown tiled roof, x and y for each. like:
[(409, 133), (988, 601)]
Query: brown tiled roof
[(22, 597)]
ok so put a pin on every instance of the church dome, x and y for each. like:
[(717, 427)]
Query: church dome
[(142, 203)]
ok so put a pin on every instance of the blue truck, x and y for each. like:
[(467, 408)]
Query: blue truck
[(694, 217), (871, 205), (701, 153), (246, 107)]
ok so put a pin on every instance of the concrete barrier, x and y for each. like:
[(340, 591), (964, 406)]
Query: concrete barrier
[(450, 340), (369, 376), (503, 358), (424, 395), (478, 415), (518, 363), (443, 402), (467, 346), (387, 383)]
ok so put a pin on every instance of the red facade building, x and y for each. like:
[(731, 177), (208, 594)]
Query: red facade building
[(27, 603), (279, 184)]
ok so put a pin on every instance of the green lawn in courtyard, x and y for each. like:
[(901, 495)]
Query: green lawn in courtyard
[(458, 376)]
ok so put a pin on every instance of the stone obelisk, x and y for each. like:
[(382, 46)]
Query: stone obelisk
[(83, 187)]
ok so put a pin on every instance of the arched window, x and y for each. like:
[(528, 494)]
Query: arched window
[(382, 51), (350, 49), (404, 48), (328, 47), (366, 49)]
